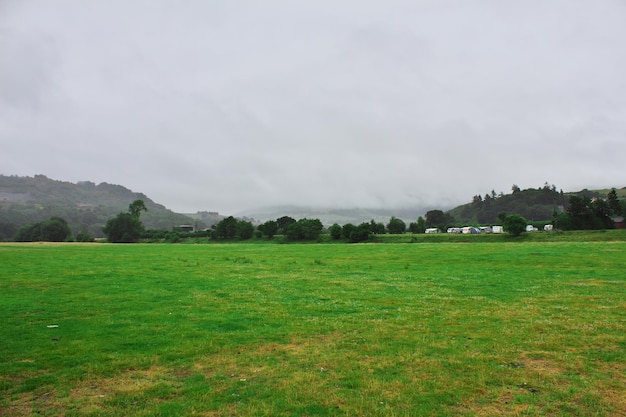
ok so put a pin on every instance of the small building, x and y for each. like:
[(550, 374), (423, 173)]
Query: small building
[(185, 228), (618, 222)]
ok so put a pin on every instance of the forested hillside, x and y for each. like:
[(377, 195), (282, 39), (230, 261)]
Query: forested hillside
[(534, 204), (85, 205)]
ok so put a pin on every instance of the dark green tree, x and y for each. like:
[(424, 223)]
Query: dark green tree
[(419, 226), (601, 212), (283, 222), (126, 227), (361, 233), (434, 218), (55, 230), (614, 203), (84, 237), (377, 228), (29, 233), (579, 209), (562, 221), (438, 219), (347, 229), (245, 230), (304, 229), (269, 228), (587, 214), (136, 207), (335, 231), (514, 224), (396, 226), (226, 229)]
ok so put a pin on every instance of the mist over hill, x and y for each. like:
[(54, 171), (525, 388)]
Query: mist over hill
[(85, 205), (330, 215), (535, 204)]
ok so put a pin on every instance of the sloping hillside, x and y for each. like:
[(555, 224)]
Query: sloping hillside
[(85, 205), (535, 204)]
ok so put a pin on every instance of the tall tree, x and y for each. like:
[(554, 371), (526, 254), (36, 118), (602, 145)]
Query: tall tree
[(614, 204), (126, 227), (438, 219), (304, 229), (377, 228), (245, 229), (335, 231), (283, 222), (269, 228), (579, 209), (396, 226), (136, 207), (226, 228), (419, 226), (601, 214)]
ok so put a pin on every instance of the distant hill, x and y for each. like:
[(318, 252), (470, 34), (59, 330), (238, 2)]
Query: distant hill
[(329, 215), (85, 205), (207, 218), (533, 204)]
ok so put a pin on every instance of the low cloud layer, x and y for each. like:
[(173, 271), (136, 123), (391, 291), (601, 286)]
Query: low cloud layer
[(232, 105)]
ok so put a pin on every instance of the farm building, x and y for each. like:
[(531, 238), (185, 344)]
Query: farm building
[(185, 228)]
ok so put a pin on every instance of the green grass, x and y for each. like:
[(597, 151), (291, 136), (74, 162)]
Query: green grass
[(497, 328)]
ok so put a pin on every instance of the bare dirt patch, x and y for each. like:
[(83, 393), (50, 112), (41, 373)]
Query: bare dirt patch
[(21, 406), (90, 395), (503, 405), (542, 366)]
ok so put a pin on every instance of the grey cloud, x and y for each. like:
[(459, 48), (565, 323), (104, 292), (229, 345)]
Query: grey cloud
[(230, 105)]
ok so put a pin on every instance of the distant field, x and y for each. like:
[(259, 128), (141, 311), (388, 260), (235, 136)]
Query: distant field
[(513, 328)]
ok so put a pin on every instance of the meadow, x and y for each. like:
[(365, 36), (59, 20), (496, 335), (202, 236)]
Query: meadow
[(510, 328)]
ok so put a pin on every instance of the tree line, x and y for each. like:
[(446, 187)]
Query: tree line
[(585, 213), (581, 213)]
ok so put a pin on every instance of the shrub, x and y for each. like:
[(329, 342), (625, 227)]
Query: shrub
[(84, 237), (515, 224)]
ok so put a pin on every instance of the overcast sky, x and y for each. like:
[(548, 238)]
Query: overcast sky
[(227, 105)]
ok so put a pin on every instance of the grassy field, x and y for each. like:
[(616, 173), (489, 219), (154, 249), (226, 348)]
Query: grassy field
[(456, 329)]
